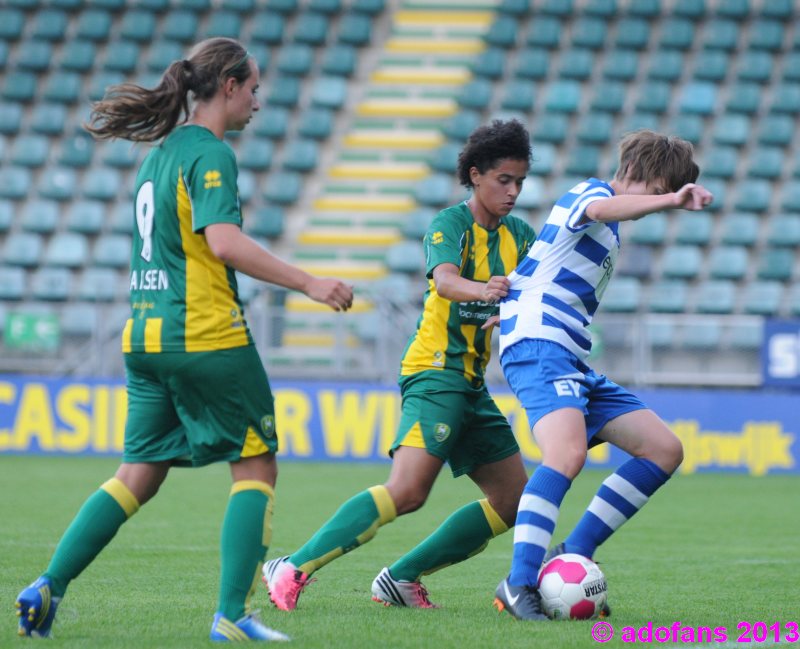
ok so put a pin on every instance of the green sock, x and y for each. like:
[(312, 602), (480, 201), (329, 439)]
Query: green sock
[(355, 523), (246, 534), (90, 531), (465, 533)]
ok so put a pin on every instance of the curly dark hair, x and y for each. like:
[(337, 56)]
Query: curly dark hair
[(488, 145)]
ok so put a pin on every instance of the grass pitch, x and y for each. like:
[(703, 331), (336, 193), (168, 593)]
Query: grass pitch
[(709, 550)]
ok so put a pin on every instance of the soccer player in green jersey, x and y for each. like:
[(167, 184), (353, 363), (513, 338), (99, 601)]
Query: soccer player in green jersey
[(447, 412), (197, 391)]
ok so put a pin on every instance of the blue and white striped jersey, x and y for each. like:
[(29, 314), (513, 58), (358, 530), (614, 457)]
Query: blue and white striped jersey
[(556, 289)]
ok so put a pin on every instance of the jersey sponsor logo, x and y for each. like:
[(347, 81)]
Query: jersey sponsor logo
[(441, 432), (437, 238), (268, 425), (437, 359), (213, 178), (152, 279)]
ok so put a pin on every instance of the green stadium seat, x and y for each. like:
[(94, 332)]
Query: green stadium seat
[(718, 188), (747, 336), (728, 262), (766, 35), (405, 257), (653, 97), (19, 86), (793, 301), (224, 23), (3, 54), (775, 264), (138, 25), (16, 182), (753, 195), (161, 54), (633, 33), (100, 285), (711, 65), (589, 32), (693, 9), (463, 123), (702, 336), (12, 283), (563, 97), (101, 183), (645, 8), (668, 296), (325, 6), (601, 8), (67, 249), (576, 64), (85, 217), (776, 130), (316, 123), (636, 262), (158, 6), (240, 6), (373, 7), (517, 95), (551, 127), (715, 296), (744, 98), (780, 9), (502, 32), (543, 160), (49, 24), (476, 94), (609, 97), (786, 99), (48, 119), (740, 229), (311, 28), (697, 98), (111, 5), (282, 6), (659, 334), (284, 91), (78, 55), (193, 5), (51, 284), (545, 31), (255, 154), (76, 151), (267, 222), (12, 23), (63, 87), (120, 154), (791, 66), (122, 56), (111, 251), (94, 25), (435, 190), (595, 128), (78, 320), (416, 224), (720, 162), (7, 212), (649, 231), (295, 59), (620, 65), (267, 27), (721, 35), (271, 122), (583, 161), (445, 158), (30, 150), (623, 295), (57, 183), (40, 216), (355, 29), (790, 196), (754, 65), (531, 195), (490, 63), (734, 9), (181, 25), (532, 63), (639, 120), (339, 60), (681, 262), (23, 249), (34, 55), (763, 297), (765, 162), (694, 228), (247, 185), (666, 65), (329, 92), (101, 81), (688, 127), (283, 187), (676, 33)]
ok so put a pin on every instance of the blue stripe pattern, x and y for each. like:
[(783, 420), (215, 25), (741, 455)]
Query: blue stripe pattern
[(591, 249), (507, 326), (513, 295), (562, 306), (580, 287), (548, 233), (616, 501), (579, 340), (527, 266), (525, 517)]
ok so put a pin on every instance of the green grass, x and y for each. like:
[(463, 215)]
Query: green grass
[(709, 550)]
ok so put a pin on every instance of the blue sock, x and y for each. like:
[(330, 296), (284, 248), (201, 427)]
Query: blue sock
[(536, 520), (621, 495)]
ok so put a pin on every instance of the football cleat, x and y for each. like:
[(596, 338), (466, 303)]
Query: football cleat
[(36, 609), (523, 602), (560, 548), (247, 628), (284, 582), (390, 592)]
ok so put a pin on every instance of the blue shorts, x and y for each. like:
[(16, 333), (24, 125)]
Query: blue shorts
[(546, 377)]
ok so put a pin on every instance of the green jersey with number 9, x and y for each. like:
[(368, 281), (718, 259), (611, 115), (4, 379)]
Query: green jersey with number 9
[(183, 298)]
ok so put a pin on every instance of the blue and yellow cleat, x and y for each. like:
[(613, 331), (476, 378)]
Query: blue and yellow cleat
[(36, 609), (247, 628)]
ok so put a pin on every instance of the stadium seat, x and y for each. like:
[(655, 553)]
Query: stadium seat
[(122, 56), (57, 183), (12, 283), (676, 33), (765, 162), (247, 185), (255, 154), (445, 158), (589, 32), (78, 55), (111, 251), (193, 5), (721, 35), (793, 300), (223, 23), (776, 130), (490, 63), (702, 336), (694, 9), (754, 65), (694, 228), (283, 6), (138, 25), (645, 8), (765, 35), (79, 320), (19, 86), (51, 284), (715, 296), (416, 224), (283, 188), (762, 297), (583, 161), (10, 118), (100, 81), (639, 120), (532, 63), (531, 195), (562, 97), (34, 55), (267, 27), (653, 97), (94, 25), (668, 296), (545, 31), (434, 191), (475, 94), (740, 229), (30, 150), (316, 123), (719, 190), (67, 249), (666, 65), (48, 119), (698, 98), (85, 217), (746, 336), (295, 59), (681, 262), (100, 285), (267, 222), (785, 99), (301, 155), (720, 162), (12, 23), (40, 216), (744, 97), (711, 65), (355, 29), (517, 96), (753, 195), (405, 257), (633, 33), (576, 64), (7, 213), (23, 249), (181, 25), (543, 159), (370, 7), (271, 122), (775, 264), (311, 28), (728, 262), (784, 230), (649, 231), (460, 125), (16, 183), (63, 87), (102, 184), (284, 91), (779, 9), (734, 9), (623, 295), (791, 66), (688, 127), (636, 261), (120, 154), (620, 65), (328, 92), (502, 32), (550, 127), (790, 196), (339, 60), (595, 128), (76, 151)]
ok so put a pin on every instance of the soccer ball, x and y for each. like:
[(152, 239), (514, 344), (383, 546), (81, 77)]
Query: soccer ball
[(572, 588)]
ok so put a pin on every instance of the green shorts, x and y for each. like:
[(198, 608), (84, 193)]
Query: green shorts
[(195, 408), (452, 420)]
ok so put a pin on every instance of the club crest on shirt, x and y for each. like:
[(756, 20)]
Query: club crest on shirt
[(436, 238), (213, 178), (441, 432), (268, 425)]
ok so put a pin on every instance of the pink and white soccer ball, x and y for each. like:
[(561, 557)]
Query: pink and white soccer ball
[(572, 587)]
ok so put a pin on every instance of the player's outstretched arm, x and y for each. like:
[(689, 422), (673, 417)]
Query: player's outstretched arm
[(451, 286), (235, 249), (626, 207)]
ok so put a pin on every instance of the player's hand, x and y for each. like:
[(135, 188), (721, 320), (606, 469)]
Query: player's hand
[(495, 289), (693, 197), (491, 322), (333, 292)]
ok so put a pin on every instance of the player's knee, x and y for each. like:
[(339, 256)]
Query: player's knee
[(409, 500), (666, 452)]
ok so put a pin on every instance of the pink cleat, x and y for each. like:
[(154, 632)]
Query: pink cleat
[(284, 582)]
